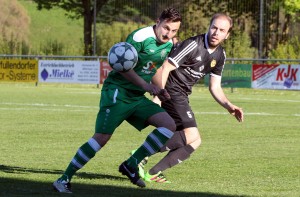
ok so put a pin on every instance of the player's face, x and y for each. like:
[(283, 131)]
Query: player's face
[(166, 30), (218, 32)]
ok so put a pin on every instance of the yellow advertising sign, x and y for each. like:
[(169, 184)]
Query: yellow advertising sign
[(17, 70)]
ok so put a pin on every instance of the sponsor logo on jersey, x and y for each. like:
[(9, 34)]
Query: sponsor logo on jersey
[(213, 63), (199, 59), (152, 50), (194, 73), (150, 67), (153, 66)]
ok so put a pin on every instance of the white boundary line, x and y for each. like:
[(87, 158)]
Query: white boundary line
[(251, 99), (77, 108), (247, 114), (43, 109), (273, 100), (49, 105)]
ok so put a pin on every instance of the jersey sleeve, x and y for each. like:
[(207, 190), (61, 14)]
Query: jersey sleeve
[(183, 52), (219, 65), (137, 45)]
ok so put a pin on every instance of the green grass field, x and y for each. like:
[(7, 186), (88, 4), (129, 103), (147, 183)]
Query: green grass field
[(42, 128)]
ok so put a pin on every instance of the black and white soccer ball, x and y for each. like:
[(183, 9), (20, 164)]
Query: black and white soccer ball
[(122, 57)]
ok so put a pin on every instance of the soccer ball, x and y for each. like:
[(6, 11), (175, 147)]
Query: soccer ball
[(122, 57)]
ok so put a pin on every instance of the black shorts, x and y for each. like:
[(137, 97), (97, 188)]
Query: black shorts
[(180, 110)]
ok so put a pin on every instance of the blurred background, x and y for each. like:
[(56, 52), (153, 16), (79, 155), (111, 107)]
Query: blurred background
[(262, 28)]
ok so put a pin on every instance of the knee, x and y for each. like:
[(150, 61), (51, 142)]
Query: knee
[(193, 138), (196, 144), (169, 124), (101, 138), (172, 126)]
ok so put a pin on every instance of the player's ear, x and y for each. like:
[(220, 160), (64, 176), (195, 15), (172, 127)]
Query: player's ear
[(157, 22)]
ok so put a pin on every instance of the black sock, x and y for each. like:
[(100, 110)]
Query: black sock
[(176, 141), (173, 158)]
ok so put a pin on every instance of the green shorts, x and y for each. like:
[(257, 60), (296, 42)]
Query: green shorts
[(116, 106)]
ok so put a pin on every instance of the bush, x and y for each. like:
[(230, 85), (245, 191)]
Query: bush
[(238, 45), (13, 46), (288, 50)]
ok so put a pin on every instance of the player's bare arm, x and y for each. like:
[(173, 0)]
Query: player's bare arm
[(160, 79), (138, 81), (218, 94), (163, 75)]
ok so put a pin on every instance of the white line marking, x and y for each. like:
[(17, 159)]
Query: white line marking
[(251, 99), (273, 100), (83, 93), (247, 114), (42, 106), (49, 105), (43, 109)]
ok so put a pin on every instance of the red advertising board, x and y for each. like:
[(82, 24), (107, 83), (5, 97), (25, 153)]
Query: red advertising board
[(104, 70)]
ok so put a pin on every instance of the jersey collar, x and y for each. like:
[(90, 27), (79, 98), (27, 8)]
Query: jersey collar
[(210, 51)]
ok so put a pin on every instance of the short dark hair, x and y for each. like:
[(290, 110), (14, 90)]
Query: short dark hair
[(218, 15), (171, 15)]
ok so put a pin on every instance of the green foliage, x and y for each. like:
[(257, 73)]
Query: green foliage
[(289, 50), (109, 34), (194, 20), (292, 7), (116, 12), (50, 26), (56, 47), (73, 8), (197, 17), (52, 47), (13, 46), (77, 9), (238, 45)]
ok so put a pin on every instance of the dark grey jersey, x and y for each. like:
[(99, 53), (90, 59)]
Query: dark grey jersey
[(193, 61)]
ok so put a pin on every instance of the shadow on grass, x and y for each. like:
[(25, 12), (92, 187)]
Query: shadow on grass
[(18, 187), (22, 170)]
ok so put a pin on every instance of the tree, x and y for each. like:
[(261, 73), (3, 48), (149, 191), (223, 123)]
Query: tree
[(291, 15), (77, 9)]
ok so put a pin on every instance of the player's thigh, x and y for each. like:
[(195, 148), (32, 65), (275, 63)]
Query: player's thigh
[(112, 112), (181, 112), (162, 119), (144, 110)]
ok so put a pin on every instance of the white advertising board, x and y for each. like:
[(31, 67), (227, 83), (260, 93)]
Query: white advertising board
[(66, 71), (276, 76)]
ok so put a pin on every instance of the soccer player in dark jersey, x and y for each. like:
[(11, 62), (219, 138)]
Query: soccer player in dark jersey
[(194, 58), (122, 98)]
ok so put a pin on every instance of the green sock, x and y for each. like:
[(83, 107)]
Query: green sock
[(86, 152), (154, 141)]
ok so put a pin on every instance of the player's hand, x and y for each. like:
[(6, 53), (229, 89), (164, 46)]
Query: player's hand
[(163, 95), (151, 88), (237, 113)]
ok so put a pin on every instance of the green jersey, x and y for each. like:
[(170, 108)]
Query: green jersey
[(151, 55)]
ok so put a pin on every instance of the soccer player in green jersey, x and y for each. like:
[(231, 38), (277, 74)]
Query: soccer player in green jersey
[(122, 98)]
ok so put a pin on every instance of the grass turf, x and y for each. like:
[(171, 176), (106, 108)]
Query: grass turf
[(42, 128)]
